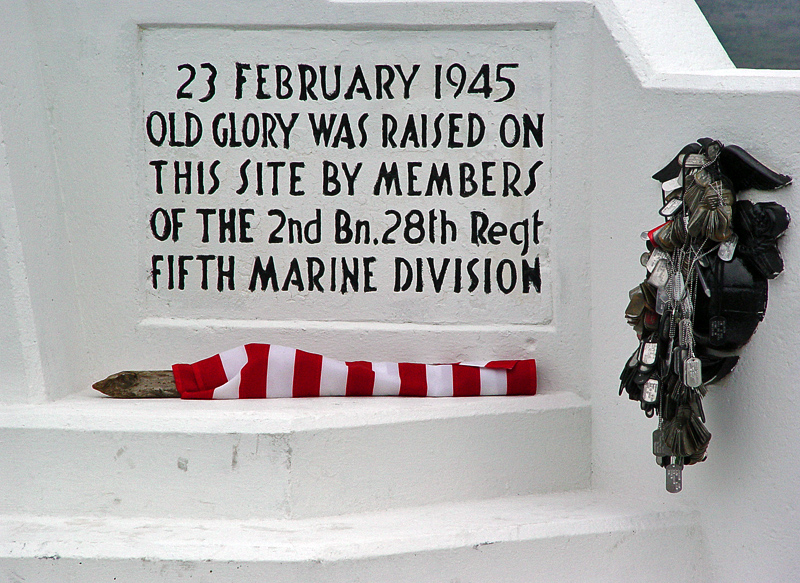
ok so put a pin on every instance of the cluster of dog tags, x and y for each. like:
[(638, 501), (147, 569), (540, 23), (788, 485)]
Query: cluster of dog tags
[(704, 294)]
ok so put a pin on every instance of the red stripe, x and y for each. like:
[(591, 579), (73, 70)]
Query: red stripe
[(307, 372), (506, 364), (253, 378), (521, 379), (209, 373), (185, 381), (413, 380), (360, 379), (466, 381), (204, 395), (184, 378)]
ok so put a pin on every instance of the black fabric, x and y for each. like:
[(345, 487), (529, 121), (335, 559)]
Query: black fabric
[(737, 304), (674, 168), (747, 172), (758, 227)]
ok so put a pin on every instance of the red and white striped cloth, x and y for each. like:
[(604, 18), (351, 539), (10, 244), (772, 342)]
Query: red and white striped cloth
[(258, 371)]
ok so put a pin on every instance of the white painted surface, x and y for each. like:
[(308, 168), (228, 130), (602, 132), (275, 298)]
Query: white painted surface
[(572, 537), (96, 62), (746, 490), (631, 83), (287, 458), (20, 365), (35, 241)]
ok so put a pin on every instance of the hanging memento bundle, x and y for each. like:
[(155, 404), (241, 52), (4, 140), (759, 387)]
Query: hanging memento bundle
[(704, 294)]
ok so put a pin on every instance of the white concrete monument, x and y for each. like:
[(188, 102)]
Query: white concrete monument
[(390, 181)]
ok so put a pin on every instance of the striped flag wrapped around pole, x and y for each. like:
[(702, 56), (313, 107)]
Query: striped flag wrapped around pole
[(259, 371)]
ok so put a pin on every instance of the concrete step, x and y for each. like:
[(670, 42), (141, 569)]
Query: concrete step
[(576, 536), (285, 458)]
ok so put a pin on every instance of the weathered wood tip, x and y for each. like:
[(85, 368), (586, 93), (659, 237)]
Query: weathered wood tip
[(139, 384)]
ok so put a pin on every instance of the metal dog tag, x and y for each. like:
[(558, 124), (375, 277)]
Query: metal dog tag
[(673, 184), (656, 256), (650, 391), (685, 332), (728, 248), (672, 207), (695, 161), (660, 448), (649, 353), (674, 478), (678, 286), (660, 275), (692, 372), (687, 307), (662, 299)]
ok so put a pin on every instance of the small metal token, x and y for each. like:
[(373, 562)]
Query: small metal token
[(702, 178), (695, 160), (674, 478), (728, 248), (656, 256), (687, 307), (685, 332), (673, 184), (660, 448), (671, 207), (660, 275), (678, 286), (649, 353), (692, 372), (661, 301), (650, 391)]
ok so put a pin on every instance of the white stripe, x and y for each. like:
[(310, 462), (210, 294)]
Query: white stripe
[(440, 380), (387, 379), (280, 371), (493, 381), (478, 364), (333, 378), (229, 390), (233, 361)]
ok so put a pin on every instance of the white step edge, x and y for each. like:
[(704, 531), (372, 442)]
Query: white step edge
[(575, 533), (286, 458), (92, 411)]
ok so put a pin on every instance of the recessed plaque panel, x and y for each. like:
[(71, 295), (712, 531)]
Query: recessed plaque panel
[(395, 176)]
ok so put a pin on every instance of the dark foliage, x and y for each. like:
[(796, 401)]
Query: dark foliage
[(757, 34)]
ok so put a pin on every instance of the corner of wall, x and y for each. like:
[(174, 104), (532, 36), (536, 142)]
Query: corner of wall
[(21, 377), (663, 36), (44, 334)]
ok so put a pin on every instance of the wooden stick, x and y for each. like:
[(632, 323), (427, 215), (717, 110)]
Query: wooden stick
[(139, 384)]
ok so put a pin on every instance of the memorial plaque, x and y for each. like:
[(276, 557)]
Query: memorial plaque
[(347, 175)]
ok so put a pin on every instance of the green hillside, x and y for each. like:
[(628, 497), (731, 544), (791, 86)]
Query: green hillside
[(757, 34)]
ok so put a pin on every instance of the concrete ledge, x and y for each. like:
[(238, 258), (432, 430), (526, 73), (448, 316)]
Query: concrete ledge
[(286, 458), (572, 536)]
